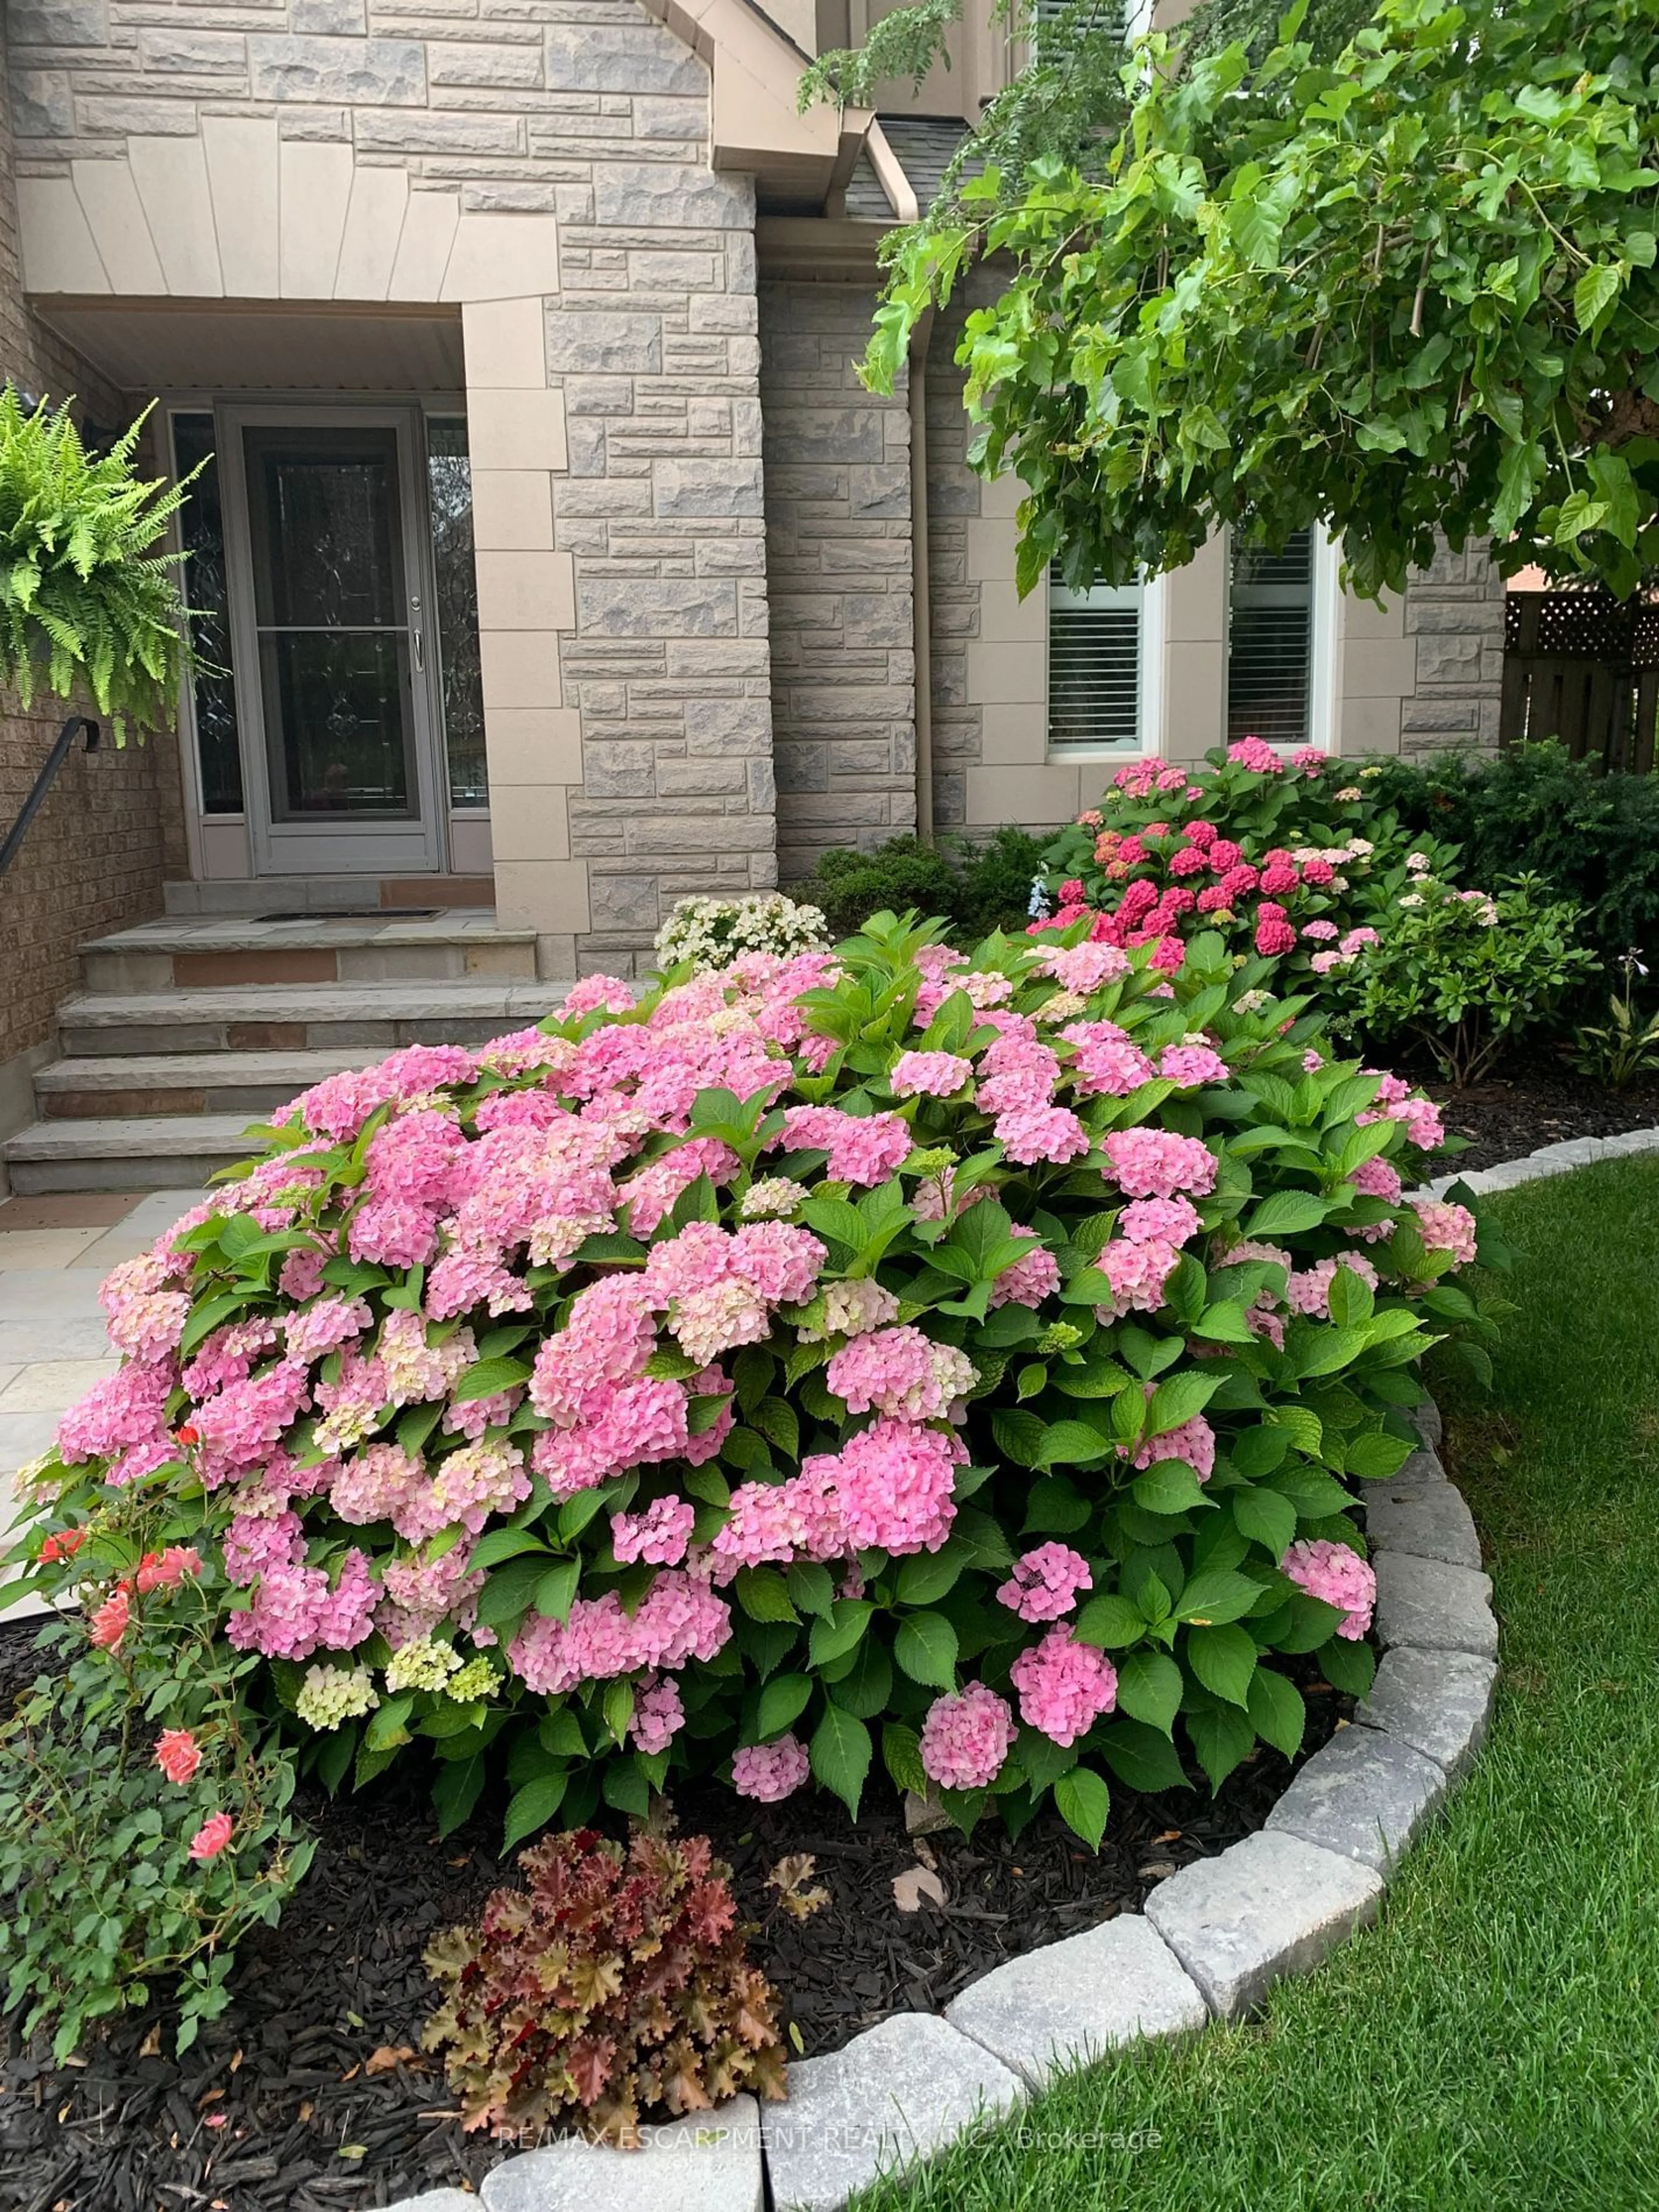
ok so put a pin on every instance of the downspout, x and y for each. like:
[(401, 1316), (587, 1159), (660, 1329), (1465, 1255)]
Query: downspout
[(920, 580)]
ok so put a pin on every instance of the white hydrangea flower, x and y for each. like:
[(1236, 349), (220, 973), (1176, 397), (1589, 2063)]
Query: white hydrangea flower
[(478, 1679), (330, 1695), (421, 1664), (710, 932), (774, 1198)]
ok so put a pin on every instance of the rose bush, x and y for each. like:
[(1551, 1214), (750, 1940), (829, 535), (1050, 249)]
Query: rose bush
[(974, 1357)]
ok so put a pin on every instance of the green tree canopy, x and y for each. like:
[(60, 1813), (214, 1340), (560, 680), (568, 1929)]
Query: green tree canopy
[(1404, 288)]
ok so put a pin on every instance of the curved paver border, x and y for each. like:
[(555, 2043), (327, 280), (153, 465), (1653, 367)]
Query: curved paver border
[(1213, 1938)]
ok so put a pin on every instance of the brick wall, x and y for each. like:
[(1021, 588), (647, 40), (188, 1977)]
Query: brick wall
[(839, 566), (94, 858)]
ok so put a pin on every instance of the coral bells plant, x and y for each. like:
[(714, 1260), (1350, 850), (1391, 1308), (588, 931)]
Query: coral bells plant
[(611, 1986), (1286, 855), (875, 1359)]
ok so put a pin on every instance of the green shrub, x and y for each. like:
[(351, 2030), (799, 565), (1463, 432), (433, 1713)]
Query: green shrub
[(1592, 838), (816, 1367), (1465, 973), (144, 1825), (975, 886)]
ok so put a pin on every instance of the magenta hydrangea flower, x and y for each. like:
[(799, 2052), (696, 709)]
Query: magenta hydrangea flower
[(966, 1737), (770, 1772)]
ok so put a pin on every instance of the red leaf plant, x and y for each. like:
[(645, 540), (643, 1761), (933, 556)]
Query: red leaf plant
[(614, 1985)]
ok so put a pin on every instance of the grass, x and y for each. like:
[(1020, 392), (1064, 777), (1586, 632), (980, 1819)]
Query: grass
[(1492, 2043)]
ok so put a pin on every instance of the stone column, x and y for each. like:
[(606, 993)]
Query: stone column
[(838, 539)]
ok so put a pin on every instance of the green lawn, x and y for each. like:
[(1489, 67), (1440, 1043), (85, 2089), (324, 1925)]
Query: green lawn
[(1493, 2042)]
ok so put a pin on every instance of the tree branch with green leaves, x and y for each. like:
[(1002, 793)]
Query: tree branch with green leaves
[(1404, 292)]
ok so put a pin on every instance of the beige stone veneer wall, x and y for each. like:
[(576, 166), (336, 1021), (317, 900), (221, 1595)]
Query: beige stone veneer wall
[(544, 163), (94, 857), (839, 565)]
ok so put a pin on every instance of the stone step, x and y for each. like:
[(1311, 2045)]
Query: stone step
[(164, 1152), (358, 1018), (320, 894), (150, 1083), (191, 954)]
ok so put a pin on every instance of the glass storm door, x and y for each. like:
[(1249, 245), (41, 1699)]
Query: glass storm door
[(329, 589)]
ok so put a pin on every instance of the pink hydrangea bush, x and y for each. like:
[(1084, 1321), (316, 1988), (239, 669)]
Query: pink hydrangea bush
[(1287, 855), (882, 1357)]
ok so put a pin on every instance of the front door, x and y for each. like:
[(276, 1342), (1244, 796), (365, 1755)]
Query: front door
[(329, 593)]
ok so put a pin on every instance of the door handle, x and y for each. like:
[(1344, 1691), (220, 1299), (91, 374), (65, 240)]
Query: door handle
[(415, 636)]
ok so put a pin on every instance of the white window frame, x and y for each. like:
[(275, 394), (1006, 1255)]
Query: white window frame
[(1325, 579), (1149, 683)]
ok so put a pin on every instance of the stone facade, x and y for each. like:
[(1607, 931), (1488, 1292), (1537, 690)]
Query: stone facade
[(696, 561), (545, 164), (1455, 619), (954, 594), (840, 565), (94, 857)]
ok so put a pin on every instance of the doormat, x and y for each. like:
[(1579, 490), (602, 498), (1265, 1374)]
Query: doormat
[(359, 914)]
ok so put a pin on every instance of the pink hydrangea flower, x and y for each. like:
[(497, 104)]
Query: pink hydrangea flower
[(657, 1714), (1335, 1574), (895, 1483), (1137, 1271), (770, 1772), (660, 1535), (900, 1371), (966, 1737), (863, 1148), (1064, 1686), (928, 1075), (1157, 1163), (1308, 1289), (1032, 1277), (1189, 1064), (1045, 1582), (1447, 1227), (1193, 1442), (1030, 1133), (1106, 1060), (1158, 1220)]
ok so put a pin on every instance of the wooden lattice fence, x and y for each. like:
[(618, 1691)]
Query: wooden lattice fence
[(1584, 668)]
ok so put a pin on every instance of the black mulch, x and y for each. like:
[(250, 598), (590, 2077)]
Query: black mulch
[(275, 2110), (1536, 1104)]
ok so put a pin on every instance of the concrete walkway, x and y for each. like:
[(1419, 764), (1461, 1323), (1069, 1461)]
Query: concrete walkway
[(55, 1251)]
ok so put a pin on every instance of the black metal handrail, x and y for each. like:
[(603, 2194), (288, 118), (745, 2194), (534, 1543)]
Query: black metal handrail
[(43, 782)]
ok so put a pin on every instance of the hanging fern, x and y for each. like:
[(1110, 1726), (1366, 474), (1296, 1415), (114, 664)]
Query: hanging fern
[(87, 603)]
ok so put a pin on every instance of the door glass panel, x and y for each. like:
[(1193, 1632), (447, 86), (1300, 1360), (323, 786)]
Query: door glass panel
[(212, 688), (449, 480), (331, 608)]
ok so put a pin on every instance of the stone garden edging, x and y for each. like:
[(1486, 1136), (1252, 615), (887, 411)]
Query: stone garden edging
[(1212, 1939)]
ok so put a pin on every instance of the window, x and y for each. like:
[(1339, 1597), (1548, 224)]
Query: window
[(212, 691), (1272, 643), (1097, 661), (460, 684)]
